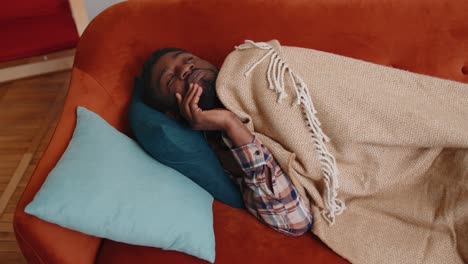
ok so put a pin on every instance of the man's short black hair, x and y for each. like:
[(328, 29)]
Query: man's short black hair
[(149, 96)]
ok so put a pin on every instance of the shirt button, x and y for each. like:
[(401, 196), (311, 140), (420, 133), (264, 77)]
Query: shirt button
[(257, 152)]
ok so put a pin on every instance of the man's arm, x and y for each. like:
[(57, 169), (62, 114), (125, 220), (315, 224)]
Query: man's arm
[(268, 193), (216, 119), (237, 131)]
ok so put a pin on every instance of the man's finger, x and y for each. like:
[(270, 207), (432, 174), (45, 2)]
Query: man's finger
[(189, 94), (179, 98), (181, 105), (187, 100), (196, 98)]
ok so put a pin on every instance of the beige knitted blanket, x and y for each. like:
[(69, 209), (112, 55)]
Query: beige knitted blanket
[(380, 153)]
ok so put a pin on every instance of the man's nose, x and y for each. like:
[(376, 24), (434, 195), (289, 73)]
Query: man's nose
[(185, 70)]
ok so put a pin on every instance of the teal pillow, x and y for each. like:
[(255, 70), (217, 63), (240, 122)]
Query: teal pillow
[(105, 185), (181, 148)]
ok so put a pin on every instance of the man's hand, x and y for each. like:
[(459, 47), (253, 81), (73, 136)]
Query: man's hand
[(216, 119)]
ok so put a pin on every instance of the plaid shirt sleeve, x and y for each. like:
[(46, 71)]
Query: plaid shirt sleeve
[(268, 193)]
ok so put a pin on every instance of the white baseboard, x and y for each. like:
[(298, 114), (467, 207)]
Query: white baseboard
[(36, 68)]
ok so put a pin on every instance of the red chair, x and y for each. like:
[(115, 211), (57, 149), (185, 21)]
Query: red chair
[(35, 27)]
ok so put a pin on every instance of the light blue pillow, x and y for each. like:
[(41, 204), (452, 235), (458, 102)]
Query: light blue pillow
[(105, 185)]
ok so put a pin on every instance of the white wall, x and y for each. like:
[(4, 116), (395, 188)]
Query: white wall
[(94, 7)]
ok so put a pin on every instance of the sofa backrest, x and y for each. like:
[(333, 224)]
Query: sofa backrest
[(429, 37)]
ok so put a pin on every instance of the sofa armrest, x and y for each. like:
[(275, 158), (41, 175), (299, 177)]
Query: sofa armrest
[(40, 241)]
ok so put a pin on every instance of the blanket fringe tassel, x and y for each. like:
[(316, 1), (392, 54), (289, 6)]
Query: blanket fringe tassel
[(276, 73)]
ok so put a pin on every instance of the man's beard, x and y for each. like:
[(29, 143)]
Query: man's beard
[(208, 99)]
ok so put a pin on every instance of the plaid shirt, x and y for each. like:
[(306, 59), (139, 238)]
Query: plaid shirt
[(268, 193)]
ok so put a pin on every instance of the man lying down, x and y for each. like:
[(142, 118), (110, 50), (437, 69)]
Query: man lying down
[(181, 84), (376, 158)]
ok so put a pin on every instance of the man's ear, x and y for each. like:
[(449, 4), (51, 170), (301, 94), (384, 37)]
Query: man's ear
[(172, 115)]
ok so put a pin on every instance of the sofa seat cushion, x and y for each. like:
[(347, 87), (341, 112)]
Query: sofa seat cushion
[(240, 238)]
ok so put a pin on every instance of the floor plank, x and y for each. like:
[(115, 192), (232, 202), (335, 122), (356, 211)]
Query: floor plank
[(6, 217), (9, 246), (12, 258), (29, 112), (6, 227)]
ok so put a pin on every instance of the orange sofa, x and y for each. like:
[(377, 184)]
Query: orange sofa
[(429, 37)]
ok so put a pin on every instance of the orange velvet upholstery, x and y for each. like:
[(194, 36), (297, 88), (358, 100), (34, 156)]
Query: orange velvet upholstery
[(429, 37)]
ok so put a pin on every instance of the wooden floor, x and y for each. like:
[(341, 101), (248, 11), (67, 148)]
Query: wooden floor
[(29, 111)]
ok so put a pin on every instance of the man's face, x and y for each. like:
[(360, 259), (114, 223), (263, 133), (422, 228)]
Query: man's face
[(176, 70)]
